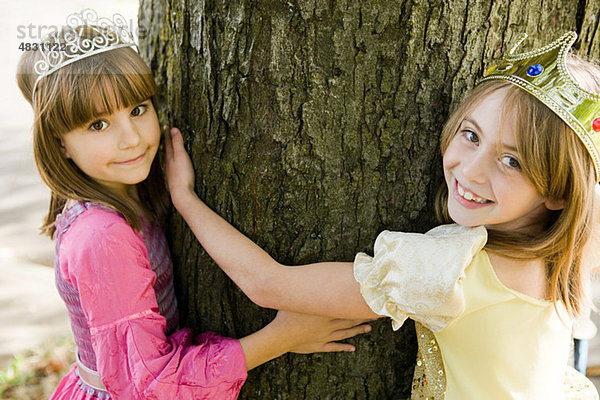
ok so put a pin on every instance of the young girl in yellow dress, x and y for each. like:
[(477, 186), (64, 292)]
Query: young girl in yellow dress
[(494, 293)]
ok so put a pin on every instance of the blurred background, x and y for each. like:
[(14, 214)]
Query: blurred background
[(35, 338)]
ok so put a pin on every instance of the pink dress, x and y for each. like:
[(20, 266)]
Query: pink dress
[(118, 287)]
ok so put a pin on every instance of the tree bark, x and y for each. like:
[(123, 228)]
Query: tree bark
[(313, 126)]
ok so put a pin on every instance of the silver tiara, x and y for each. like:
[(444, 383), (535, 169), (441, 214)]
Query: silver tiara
[(68, 45)]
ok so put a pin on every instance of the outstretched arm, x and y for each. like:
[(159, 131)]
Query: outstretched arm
[(324, 289), (299, 333)]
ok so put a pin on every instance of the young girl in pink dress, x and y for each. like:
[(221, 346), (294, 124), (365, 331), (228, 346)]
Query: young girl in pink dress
[(493, 294), (96, 135)]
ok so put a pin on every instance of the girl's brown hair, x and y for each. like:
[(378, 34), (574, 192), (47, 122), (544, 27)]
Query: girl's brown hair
[(72, 97), (559, 167)]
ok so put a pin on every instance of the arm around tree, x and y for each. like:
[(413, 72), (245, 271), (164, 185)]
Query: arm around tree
[(327, 288)]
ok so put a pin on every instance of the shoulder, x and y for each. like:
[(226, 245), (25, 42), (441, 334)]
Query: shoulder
[(99, 225), (452, 238), (100, 243), (100, 233), (419, 275), (444, 250)]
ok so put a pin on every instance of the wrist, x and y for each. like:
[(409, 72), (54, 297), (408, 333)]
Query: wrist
[(183, 197), (263, 345), (280, 341)]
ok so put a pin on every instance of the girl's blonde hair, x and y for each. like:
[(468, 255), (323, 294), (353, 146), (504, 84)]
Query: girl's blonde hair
[(72, 97), (559, 167)]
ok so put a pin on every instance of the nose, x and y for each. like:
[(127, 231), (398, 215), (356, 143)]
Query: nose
[(129, 135), (476, 167)]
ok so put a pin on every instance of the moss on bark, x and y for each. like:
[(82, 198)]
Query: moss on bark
[(313, 126)]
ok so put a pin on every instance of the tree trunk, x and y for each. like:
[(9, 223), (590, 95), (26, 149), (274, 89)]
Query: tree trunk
[(313, 126)]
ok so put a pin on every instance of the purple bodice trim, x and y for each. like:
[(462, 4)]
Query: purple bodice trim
[(160, 261)]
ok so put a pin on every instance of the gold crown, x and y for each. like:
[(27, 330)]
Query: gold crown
[(544, 74)]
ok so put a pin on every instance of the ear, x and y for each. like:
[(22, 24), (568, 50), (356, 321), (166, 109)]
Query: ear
[(63, 148), (555, 205)]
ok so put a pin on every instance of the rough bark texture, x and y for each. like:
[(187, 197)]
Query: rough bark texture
[(314, 125)]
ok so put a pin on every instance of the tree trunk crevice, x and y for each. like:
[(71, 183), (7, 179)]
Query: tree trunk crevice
[(313, 126)]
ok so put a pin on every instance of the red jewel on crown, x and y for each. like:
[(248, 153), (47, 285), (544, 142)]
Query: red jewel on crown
[(596, 125)]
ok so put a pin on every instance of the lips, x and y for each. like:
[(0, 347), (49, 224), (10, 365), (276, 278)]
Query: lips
[(132, 160), (470, 196), (467, 198)]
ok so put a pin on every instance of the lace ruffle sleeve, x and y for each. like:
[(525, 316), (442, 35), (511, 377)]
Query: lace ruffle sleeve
[(419, 276)]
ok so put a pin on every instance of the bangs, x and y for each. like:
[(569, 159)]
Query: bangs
[(544, 142), (93, 87), (473, 98), (110, 93)]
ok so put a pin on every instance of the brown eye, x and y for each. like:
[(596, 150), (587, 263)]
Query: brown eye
[(139, 110), (511, 162), (472, 137), (98, 125)]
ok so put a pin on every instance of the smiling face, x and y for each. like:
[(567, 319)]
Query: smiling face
[(116, 150), (484, 176)]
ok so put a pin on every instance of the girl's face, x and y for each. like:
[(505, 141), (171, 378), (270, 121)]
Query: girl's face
[(486, 185), (116, 150)]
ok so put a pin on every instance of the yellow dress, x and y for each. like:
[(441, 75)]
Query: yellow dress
[(478, 339)]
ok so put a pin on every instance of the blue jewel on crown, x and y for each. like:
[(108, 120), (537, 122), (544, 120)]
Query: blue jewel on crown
[(534, 70)]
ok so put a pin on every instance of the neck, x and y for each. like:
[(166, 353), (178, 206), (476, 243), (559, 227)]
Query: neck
[(139, 205), (527, 276)]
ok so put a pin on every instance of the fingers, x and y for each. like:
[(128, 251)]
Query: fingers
[(337, 346), (173, 142), (348, 323), (342, 334), (168, 143), (177, 141)]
